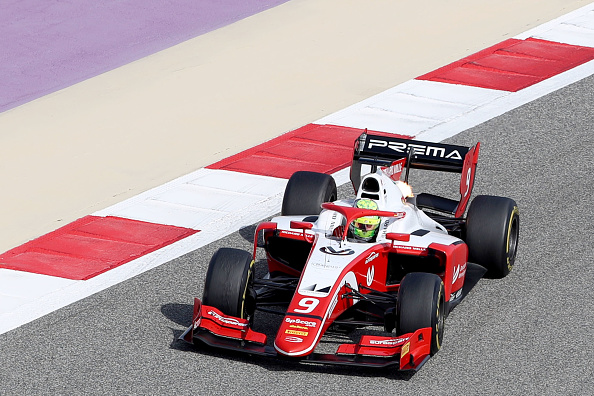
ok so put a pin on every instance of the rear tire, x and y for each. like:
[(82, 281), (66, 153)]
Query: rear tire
[(492, 232), (421, 303), (229, 283), (305, 193)]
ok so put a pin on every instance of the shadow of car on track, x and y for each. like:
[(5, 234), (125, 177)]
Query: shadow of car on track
[(180, 314), (247, 232)]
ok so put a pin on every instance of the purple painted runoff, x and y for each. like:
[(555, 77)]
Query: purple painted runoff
[(48, 45)]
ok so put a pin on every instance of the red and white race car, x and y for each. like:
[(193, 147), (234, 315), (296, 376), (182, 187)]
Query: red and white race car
[(385, 258)]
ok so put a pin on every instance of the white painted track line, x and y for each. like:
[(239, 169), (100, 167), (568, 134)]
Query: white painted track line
[(18, 288), (576, 28), (200, 200), (413, 107)]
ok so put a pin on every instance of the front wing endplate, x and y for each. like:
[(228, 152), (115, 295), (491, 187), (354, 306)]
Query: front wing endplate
[(408, 352)]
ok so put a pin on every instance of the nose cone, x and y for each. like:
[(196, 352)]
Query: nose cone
[(297, 336)]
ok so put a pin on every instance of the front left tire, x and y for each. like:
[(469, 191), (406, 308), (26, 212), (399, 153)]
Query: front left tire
[(229, 283)]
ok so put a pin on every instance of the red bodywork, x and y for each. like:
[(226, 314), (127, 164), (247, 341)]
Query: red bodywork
[(410, 351)]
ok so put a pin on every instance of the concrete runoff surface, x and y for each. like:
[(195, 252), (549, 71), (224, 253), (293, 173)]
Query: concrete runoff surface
[(526, 334), (113, 136)]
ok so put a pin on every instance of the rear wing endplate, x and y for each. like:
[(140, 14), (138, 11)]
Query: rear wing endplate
[(378, 150)]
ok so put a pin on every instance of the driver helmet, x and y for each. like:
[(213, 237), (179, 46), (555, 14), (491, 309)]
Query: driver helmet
[(365, 228)]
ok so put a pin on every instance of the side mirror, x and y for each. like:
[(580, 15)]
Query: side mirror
[(301, 225), (397, 236)]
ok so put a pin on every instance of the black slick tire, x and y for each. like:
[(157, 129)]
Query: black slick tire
[(229, 281), (421, 303), (492, 233), (306, 191)]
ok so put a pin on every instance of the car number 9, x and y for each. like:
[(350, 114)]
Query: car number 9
[(308, 303)]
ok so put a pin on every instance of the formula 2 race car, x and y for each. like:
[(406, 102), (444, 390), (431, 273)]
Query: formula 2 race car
[(385, 258)]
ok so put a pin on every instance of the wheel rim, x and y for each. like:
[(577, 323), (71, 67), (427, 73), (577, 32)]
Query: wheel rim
[(439, 322), (512, 238), (247, 304)]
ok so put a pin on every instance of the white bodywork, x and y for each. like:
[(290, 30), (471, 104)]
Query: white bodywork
[(322, 270)]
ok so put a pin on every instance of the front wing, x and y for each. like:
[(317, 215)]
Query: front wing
[(213, 328)]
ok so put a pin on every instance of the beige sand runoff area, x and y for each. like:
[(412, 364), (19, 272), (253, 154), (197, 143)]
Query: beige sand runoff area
[(111, 137)]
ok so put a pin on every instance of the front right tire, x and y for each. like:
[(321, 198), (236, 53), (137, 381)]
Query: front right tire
[(421, 303)]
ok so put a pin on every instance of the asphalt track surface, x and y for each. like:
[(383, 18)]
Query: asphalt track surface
[(529, 333)]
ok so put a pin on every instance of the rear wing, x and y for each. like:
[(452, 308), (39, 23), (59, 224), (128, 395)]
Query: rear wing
[(384, 151)]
